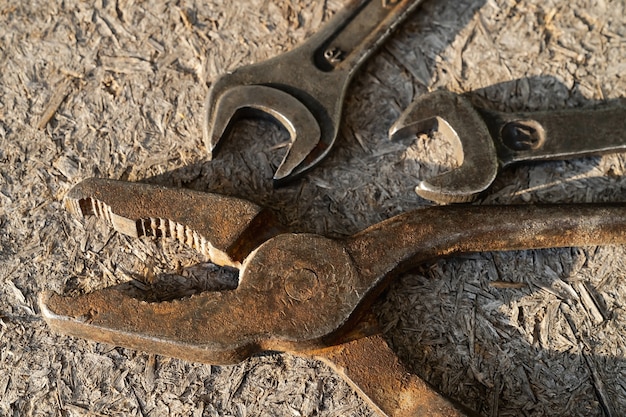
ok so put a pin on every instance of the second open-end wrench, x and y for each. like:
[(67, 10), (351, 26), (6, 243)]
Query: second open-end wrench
[(488, 140), (304, 89)]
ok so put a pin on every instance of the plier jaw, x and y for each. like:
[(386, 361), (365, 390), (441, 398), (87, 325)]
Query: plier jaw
[(225, 229), (284, 278)]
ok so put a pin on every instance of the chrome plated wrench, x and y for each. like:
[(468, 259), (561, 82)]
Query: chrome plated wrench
[(304, 89)]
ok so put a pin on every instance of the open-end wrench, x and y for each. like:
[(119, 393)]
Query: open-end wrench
[(299, 292), (487, 141), (304, 89)]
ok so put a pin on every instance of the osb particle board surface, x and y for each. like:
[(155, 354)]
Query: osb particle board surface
[(116, 90)]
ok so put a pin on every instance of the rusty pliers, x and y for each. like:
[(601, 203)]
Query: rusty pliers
[(301, 293), (303, 89)]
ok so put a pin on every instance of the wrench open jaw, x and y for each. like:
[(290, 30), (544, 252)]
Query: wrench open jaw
[(304, 89), (259, 100), (311, 129), (301, 293), (457, 120), (488, 141)]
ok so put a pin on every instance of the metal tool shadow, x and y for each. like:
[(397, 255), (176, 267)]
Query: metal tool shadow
[(525, 335)]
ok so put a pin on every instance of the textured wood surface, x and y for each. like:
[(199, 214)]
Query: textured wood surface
[(116, 89)]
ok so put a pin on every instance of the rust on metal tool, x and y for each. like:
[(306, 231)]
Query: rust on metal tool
[(296, 292), (223, 228)]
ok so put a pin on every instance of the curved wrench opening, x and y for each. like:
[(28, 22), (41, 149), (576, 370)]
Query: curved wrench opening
[(259, 100), (455, 118)]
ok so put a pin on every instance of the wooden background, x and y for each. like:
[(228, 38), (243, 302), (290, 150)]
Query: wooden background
[(117, 90)]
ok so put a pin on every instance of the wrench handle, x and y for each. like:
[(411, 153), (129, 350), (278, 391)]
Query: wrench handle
[(558, 134), (402, 242), (357, 31)]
